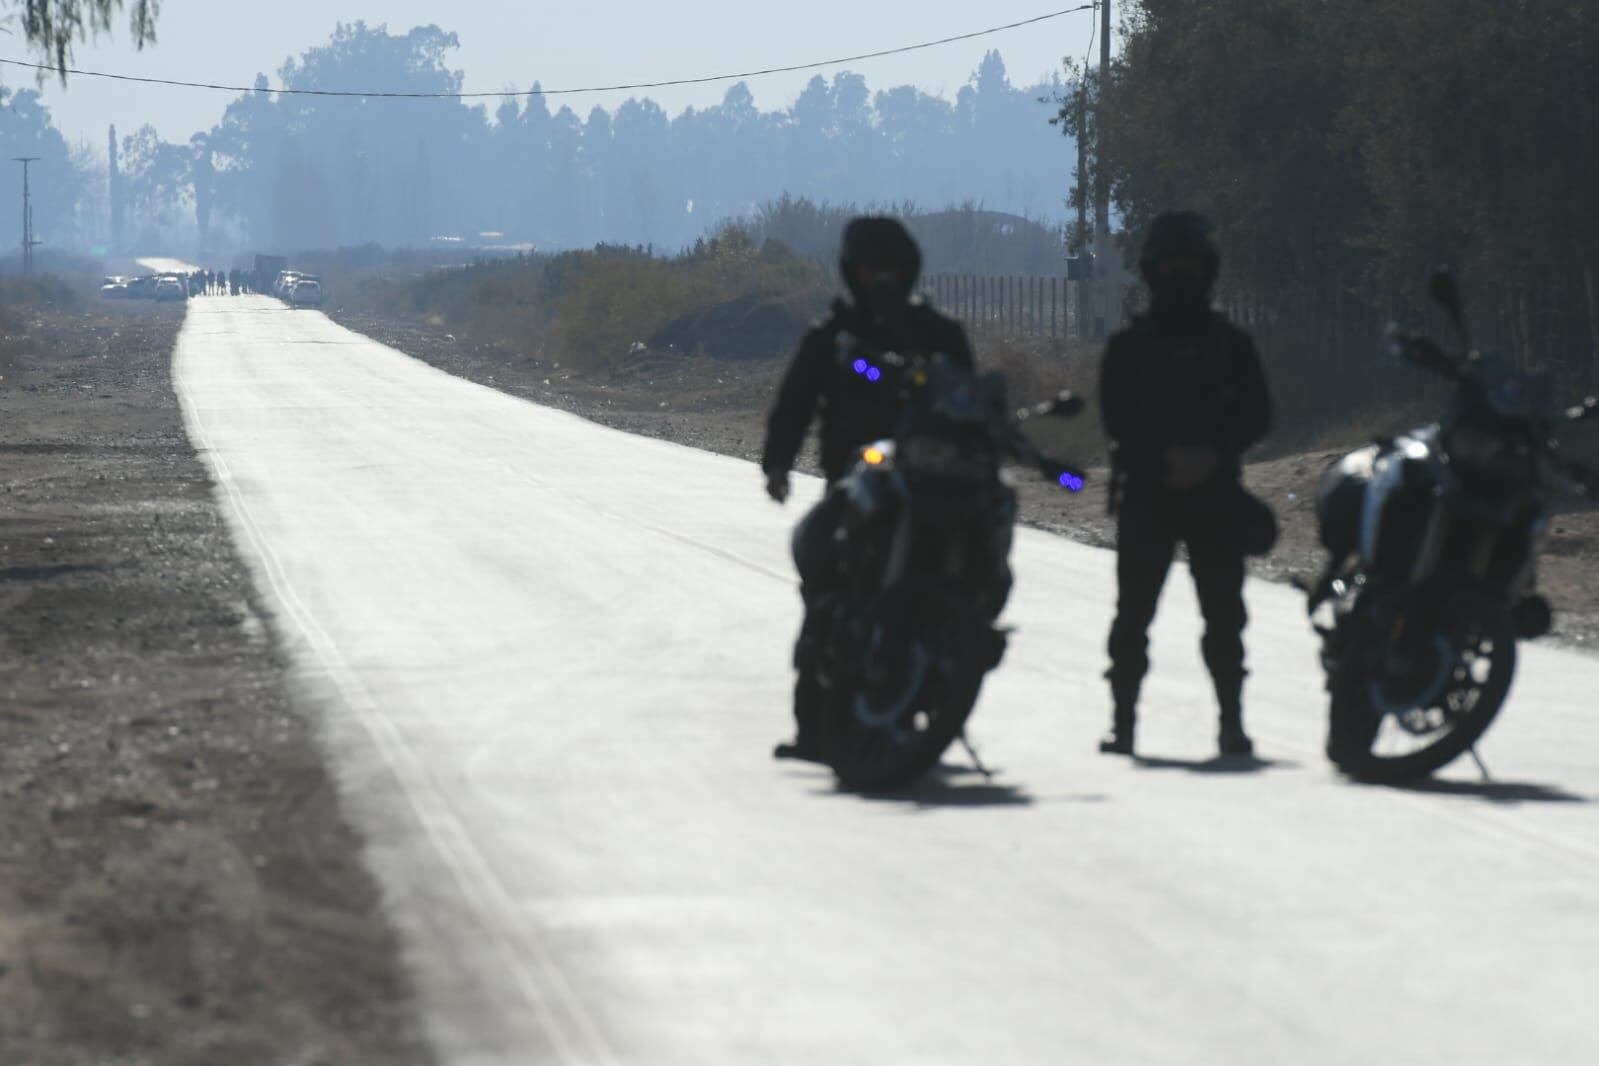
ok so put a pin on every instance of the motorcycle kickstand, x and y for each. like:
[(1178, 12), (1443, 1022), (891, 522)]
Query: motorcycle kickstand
[(977, 762), (1481, 767)]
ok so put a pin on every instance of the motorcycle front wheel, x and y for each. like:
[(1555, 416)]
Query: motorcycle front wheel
[(882, 734), (1477, 656)]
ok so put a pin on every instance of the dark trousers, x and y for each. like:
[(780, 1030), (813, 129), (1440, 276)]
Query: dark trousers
[(813, 547), (1150, 526)]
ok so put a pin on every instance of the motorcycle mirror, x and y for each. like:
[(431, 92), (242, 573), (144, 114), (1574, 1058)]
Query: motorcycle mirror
[(1066, 405), (1585, 410)]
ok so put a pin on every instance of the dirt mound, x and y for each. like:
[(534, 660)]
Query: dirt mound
[(764, 325)]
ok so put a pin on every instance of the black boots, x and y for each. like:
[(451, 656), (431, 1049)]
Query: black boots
[(801, 749), (1119, 741), (808, 698), (1124, 694), (1233, 741)]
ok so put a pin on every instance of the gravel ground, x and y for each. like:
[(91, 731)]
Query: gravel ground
[(721, 406), (176, 883)]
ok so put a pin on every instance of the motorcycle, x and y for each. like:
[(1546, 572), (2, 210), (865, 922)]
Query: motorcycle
[(1433, 539), (925, 527)]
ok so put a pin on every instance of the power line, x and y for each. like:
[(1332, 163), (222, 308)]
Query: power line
[(557, 92)]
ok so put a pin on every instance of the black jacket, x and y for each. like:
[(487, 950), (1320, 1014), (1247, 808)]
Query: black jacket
[(855, 409), (1165, 384)]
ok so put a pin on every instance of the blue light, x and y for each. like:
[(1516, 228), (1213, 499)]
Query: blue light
[(1069, 480), (873, 374), (859, 366)]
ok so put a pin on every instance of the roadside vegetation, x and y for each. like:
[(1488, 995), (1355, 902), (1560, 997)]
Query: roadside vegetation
[(1342, 150), (726, 297)]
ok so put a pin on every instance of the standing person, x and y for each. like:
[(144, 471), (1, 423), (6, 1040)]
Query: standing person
[(1182, 398), (880, 264)]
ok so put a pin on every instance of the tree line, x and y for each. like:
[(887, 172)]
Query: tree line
[(291, 173), (1343, 149)]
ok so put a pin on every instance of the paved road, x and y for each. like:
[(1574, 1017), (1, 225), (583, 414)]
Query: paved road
[(552, 659)]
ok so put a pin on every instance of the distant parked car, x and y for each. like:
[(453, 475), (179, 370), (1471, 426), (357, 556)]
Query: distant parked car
[(142, 288), (115, 288), (306, 292), (170, 289), (285, 282)]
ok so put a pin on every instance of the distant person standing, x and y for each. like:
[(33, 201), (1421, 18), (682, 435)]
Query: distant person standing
[(1182, 398)]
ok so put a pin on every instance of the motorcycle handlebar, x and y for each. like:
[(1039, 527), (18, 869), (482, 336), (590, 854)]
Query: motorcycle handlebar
[(1583, 411), (1063, 474), (1423, 353), (1067, 475), (1585, 479), (1066, 404)]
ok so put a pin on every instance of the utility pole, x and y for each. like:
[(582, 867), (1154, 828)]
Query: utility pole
[(28, 243), (114, 173), (1104, 282), (1085, 248)]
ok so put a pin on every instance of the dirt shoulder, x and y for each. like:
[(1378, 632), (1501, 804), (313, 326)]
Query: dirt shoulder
[(720, 406), (176, 884)]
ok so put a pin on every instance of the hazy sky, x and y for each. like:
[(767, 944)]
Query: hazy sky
[(512, 43)]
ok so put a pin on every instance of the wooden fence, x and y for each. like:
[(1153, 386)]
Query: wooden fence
[(1016, 306)]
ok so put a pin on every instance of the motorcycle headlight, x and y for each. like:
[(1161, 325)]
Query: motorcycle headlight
[(876, 454)]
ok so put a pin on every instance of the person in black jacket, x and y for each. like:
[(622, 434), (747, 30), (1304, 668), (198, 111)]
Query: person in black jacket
[(841, 371), (1182, 398)]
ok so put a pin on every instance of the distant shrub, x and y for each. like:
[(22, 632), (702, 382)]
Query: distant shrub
[(40, 290), (959, 239), (729, 296)]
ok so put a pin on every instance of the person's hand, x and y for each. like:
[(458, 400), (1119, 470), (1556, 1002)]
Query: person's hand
[(777, 486), (1189, 465)]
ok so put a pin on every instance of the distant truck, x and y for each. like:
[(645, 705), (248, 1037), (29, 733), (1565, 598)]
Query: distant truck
[(267, 269)]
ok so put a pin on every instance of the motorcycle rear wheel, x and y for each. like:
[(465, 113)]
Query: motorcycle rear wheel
[(1361, 739)]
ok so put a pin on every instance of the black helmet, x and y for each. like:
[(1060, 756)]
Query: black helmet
[(1176, 236), (879, 242)]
